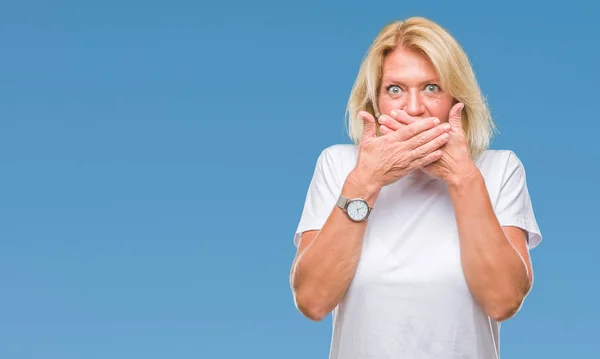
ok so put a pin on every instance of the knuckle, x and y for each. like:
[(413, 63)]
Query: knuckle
[(366, 145), (415, 154), (427, 160), (413, 130), (422, 139)]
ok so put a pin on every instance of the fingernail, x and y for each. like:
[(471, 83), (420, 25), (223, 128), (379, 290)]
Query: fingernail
[(394, 113), (436, 121), (446, 126)]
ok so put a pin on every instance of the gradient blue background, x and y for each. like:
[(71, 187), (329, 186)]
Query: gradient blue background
[(154, 158)]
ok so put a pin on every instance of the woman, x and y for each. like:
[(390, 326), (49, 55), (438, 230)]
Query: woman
[(415, 237)]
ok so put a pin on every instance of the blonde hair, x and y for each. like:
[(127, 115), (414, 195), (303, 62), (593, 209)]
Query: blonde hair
[(451, 63)]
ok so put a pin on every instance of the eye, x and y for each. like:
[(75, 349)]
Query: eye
[(432, 88), (394, 90)]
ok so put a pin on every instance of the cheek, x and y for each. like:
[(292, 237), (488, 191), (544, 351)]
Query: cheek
[(386, 105), (440, 108)]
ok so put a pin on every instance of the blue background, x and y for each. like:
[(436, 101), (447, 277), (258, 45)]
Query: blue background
[(154, 158)]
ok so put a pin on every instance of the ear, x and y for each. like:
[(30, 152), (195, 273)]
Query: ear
[(455, 116)]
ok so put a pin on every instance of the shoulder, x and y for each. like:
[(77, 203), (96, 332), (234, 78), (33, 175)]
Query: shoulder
[(338, 155), (497, 161), (502, 169), (495, 156), (338, 160), (340, 151)]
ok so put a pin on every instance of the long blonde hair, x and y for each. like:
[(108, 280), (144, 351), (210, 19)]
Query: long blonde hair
[(453, 68)]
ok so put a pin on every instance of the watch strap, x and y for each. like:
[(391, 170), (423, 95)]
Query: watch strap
[(343, 201)]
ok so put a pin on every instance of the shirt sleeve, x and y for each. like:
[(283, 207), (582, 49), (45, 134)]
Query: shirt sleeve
[(514, 207), (321, 196)]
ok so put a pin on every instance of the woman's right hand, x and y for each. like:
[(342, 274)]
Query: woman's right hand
[(385, 159)]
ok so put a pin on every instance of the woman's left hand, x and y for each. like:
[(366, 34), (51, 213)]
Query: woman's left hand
[(456, 164)]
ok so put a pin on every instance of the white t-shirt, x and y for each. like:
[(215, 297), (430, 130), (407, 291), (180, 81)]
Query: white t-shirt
[(409, 298)]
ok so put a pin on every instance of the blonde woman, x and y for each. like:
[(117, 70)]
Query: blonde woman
[(417, 236)]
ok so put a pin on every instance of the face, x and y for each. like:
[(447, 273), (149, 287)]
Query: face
[(410, 83)]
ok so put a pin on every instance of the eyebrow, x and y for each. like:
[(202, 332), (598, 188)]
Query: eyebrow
[(395, 80)]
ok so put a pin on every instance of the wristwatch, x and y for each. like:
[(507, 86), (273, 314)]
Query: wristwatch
[(357, 209)]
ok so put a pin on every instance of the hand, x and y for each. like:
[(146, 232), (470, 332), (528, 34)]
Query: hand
[(455, 163), (383, 160)]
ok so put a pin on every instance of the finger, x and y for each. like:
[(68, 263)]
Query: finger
[(430, 146), (455, 116), (427, 136), (369, 126), (402, 117), (389, 122), (428, 159), (415, 128), (385, 130)]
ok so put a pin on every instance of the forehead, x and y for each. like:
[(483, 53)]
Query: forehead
[(406, 65)]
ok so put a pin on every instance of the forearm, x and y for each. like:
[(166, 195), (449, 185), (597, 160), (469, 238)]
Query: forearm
[(495, 271), (325, 268)]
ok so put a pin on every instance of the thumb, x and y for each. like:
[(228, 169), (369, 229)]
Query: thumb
[(369, 126), (455, 117)]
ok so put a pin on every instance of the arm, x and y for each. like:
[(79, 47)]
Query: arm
[(495, 259), (326, 260)]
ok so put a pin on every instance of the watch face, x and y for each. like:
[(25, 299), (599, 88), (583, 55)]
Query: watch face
[(357, 210)]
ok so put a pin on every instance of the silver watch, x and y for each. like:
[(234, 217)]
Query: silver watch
[(357, 209)]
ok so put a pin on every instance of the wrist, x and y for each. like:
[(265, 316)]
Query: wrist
[(467, 178), (358, 185)]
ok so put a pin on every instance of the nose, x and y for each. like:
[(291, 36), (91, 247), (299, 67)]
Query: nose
[(414, 105)]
